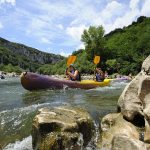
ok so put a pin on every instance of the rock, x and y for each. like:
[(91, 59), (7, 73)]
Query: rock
[(147, 135), (112, 125), (129, 102), (146, 65), (61, 128), (130, 128), (134, 102), (123, 142), (64, 140), (1, 147)]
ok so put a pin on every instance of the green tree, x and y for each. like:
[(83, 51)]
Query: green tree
[(94, 41), (112, 65)]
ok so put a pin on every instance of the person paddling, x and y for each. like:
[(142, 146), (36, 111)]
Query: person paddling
[(73, 74), (99, 74)]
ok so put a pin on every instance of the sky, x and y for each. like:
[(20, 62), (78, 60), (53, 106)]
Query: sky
[(56, 26)]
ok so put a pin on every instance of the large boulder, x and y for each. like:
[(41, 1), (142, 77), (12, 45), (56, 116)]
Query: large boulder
[(61, 128), (134, 102), (112, 125), (129, 129)]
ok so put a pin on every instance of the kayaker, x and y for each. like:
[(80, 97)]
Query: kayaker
[(106, 74), (2, 76), (99, 74), (73, 74)]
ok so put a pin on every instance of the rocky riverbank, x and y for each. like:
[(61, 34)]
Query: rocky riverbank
[(8, 75)]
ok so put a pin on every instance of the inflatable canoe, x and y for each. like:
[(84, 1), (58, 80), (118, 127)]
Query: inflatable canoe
[(33, 81)]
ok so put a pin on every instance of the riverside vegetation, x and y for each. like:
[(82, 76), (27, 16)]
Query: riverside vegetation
[(122, 51)]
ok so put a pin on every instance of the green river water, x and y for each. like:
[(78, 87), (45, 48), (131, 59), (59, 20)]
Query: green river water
[(18, 107)]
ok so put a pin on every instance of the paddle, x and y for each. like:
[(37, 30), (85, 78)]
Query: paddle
[(71, 60), (96, 61)]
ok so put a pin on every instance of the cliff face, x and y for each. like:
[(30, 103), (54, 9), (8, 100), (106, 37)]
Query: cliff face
[(25, 57), (31, 53)]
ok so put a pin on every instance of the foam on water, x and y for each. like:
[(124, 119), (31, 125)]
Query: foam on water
[(113, 86), (25, 144), (18, 115), (14, 120)]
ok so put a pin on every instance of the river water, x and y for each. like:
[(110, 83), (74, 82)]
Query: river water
[(18, 107)]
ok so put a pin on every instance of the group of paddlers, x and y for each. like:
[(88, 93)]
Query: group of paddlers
[(74, 75)]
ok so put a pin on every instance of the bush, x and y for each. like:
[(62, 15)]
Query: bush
[(9, 68)]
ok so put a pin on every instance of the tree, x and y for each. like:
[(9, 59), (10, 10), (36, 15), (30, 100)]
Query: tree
[(93, 39), (112, 65)]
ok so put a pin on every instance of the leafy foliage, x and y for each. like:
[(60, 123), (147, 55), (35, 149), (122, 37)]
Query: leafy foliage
[(58, 68), (10, 68), (130, 46), (83, 64), (94, 41)]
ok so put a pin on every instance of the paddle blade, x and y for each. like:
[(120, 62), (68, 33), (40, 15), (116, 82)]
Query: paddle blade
[(71, 60), (96, 59)]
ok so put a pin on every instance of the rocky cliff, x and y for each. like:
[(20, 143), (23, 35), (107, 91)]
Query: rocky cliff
[(24, 56)]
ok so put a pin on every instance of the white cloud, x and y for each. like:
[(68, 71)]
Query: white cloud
[(122, 21), (60, 26), (146, 8), (125, 19), (45, 40), (76, 32), (63, 53), (1, 26), (12, 2), (113, 8), (134, 4), (80, 46)]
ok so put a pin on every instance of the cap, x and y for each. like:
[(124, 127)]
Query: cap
[(71, 65)]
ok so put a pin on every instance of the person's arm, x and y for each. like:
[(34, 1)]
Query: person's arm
[(73, 75)]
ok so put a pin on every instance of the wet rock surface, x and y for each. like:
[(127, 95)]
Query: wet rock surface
[(61, 128)]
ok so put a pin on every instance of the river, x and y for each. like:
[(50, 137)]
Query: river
[(18, 107)]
